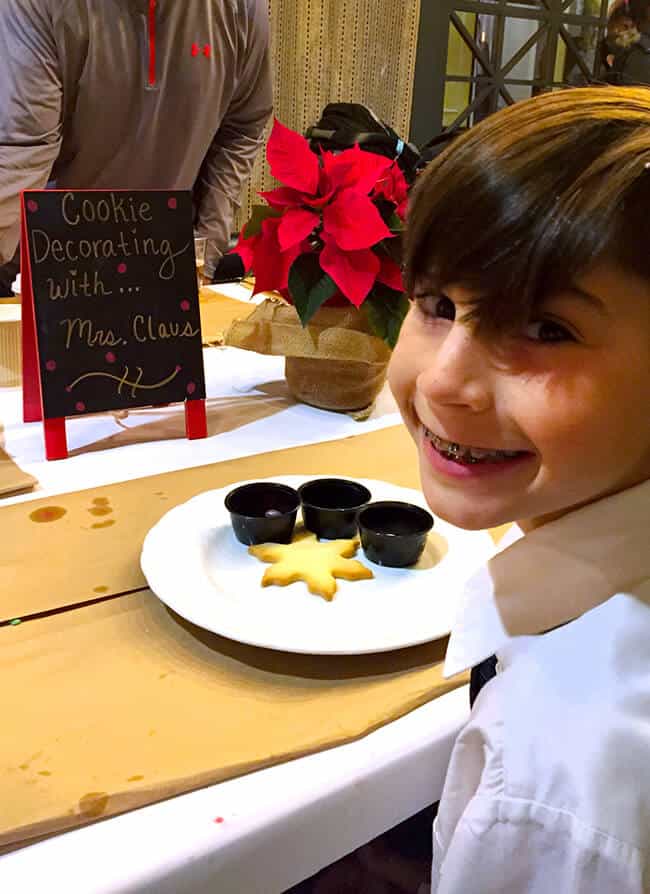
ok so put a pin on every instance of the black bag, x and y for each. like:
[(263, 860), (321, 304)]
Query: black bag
[(437, 145), (344, 124)]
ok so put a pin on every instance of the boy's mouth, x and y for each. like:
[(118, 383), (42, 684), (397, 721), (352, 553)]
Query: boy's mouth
[(466, 455)]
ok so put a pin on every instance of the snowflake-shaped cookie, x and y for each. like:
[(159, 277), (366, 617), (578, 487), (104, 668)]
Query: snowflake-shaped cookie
[(317, 562)]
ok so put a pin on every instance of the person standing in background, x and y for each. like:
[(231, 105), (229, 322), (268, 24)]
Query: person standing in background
[(625, 50), (135, 94)]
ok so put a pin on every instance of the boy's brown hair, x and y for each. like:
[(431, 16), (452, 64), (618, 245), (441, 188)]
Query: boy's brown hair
[(531, 198)]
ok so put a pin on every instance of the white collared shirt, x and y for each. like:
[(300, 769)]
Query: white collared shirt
[(548, 787)]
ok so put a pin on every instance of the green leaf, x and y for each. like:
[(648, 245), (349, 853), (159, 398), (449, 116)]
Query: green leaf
[(309, 287), (298, 289), (395, 223), (259, 214), (386, 310)]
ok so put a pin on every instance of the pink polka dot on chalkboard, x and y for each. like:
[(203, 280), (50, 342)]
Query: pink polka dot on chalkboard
[(68, 388), (178, 368), (110, 357), (171, 203), (121, 268), (32, 205), (185, 305), (191, 387), (80, 406), (50, 366)]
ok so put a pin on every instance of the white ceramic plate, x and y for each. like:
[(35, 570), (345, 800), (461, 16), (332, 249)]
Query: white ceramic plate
[(196, 566)]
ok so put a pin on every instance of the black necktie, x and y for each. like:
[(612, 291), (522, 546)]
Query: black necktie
[(481, 674)]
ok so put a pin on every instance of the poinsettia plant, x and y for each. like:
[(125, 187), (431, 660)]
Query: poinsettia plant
[(331, 233)]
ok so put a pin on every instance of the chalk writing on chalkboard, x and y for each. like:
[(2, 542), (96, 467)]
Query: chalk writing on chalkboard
[(113, 276)]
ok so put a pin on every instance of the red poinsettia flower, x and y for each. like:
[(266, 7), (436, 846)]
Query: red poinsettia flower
[(394, 188), (326, 206)]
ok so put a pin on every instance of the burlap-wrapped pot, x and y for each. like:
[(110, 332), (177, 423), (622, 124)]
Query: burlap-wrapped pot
[(341, 385), (335, 363)]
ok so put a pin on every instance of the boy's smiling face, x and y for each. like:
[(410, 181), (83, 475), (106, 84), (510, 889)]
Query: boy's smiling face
[(570, 395)]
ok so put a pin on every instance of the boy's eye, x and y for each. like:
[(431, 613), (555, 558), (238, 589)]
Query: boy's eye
[(436, 306), (548, 331)]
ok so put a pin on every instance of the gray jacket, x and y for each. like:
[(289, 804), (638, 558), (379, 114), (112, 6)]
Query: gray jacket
[(133, 94)]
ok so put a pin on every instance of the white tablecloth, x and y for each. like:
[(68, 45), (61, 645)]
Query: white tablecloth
[(279, 825)]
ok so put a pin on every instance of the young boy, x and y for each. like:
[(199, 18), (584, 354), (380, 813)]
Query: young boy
[(523, 375)]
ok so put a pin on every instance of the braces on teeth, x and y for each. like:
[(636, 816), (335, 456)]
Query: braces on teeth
[(455, 451)]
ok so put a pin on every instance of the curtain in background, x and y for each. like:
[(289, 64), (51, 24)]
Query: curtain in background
[(339, 51)]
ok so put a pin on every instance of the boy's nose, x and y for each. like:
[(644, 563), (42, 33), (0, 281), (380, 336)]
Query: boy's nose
[(458, 373)]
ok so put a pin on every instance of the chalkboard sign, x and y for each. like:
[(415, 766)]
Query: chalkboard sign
[(113, 278)]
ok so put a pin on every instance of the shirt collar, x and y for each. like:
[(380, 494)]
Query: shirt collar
[(553, 575)]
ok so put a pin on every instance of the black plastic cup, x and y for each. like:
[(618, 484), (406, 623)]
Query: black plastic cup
[(263, 512), (394, 533), (331, 506)]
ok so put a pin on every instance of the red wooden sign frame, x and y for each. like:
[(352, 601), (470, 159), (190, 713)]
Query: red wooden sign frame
[(56, 445)]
